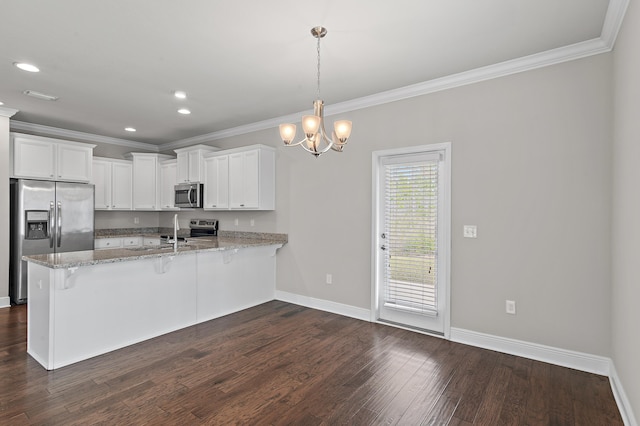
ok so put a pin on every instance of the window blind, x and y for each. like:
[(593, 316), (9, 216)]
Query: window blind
[(410, 236)]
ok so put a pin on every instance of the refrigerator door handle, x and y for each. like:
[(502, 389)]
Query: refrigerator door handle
[(59, 229), (52, 215)]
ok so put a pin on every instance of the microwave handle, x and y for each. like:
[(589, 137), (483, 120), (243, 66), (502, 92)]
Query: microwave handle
[(189, 195)]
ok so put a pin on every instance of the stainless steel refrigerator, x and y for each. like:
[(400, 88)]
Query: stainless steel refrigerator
[(47, 217)]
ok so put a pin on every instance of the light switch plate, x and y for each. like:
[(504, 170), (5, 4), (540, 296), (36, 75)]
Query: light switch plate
[(470, 231)]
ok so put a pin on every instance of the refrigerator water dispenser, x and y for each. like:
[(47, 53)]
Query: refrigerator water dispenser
[(37, 224)]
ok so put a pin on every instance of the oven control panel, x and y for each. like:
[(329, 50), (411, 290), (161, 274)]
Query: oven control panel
[(203, 224)]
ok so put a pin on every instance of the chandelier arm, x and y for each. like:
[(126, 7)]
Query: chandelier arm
[(297, 143), (316, 153)]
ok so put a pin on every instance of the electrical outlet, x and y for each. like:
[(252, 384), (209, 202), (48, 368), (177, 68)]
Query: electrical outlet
[(510, 307), (136, 220), (470, 231), (253, 222), (236, 222), (329, 279)]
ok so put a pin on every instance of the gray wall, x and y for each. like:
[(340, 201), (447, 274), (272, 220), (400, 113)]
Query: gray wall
[(626, 207), (531, 168)]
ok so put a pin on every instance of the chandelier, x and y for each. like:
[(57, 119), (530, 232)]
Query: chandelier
[(316, 140)]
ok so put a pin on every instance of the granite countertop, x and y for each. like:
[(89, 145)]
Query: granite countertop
[(195, 245)]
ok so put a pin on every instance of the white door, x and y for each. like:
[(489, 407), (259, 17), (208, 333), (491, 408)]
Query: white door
[(411, 237)]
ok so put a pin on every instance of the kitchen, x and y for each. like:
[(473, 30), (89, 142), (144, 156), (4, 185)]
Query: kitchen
[(513, 123)]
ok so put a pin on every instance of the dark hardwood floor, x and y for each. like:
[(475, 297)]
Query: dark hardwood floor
[(284, 364)]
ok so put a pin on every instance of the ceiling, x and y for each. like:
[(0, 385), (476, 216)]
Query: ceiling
[(116, 63)]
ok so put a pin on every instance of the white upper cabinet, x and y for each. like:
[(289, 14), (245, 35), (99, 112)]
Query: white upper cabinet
[(50, 159), (190, 163), (113, 180), (216, 183), (251, 179), (167, 183), (146, 180)]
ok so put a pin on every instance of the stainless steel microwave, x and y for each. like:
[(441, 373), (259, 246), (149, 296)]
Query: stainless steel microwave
[(188, 195)]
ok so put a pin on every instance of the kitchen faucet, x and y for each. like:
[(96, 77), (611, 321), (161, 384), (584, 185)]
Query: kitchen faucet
[(176, 226)]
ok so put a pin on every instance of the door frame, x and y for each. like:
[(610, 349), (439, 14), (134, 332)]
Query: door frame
[(444, 248)]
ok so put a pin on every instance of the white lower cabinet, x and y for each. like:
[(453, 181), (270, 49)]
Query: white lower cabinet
[(107, 243), (150, 241), (131, 241), (117, 242)]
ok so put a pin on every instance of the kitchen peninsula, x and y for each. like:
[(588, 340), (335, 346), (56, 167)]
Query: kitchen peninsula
[(87, 303)]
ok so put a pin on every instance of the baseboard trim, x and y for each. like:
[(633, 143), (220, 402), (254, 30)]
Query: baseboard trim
[(563, 357), (324, 305), (621, 397), (5, 302)]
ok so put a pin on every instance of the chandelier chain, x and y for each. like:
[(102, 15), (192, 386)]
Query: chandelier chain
[(318, 49)]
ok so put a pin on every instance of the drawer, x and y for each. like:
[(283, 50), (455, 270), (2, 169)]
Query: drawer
[(151, 241), (105, 243), (131, 241)]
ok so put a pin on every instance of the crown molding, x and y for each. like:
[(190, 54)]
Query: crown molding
[(21, 126), (7, 112), (613, 21), (234, 131), (526, 63)]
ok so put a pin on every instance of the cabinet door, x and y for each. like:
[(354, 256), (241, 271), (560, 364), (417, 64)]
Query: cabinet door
[(216, 182), (236, 173), (73, 163), (182, 173), (101, 179), (244, 184), (33, 158), (251, 179), (145, 183), (167, 183), (122, 185), (195, 158)]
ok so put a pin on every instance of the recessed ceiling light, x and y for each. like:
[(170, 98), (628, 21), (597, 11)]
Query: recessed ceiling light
[(130, 129), (180, 94), (39, 95), (1, 103), (184, 111), (26, 67)]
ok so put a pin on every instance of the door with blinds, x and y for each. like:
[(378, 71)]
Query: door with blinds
[(412, 238)]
